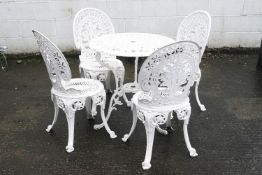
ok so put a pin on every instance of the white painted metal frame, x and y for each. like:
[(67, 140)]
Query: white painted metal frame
[(165, 79), (196, 27), (90, 23), (128, 45), (70, 94)]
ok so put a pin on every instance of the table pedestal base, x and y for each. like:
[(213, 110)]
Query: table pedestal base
[(115, 99)]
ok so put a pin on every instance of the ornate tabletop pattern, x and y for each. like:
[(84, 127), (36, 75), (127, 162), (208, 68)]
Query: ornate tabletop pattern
[(130, 44)]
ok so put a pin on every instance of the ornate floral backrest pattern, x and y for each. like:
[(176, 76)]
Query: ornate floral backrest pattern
[(167, 75), (195, 27), (56, 64), (88, 24)]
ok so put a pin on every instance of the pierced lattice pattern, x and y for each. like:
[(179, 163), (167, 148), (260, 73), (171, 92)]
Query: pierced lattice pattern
[(57, 66), (88, 24), (195, 27), (167, 75)]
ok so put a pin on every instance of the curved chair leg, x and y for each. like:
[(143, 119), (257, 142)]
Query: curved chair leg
[(191, 150), (150, 133), (128, 103), (126, 136), (161, 131), (169, 123), (110, 132), (93, 109), (112, 106), (56, 110), (202, 107), (70, 116), (108, 82), (81, 71), (89, 109)]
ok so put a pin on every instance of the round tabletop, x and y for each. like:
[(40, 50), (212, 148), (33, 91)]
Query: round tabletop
[(129, 44)]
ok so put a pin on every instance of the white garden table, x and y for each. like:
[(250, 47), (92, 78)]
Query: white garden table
[(128, 45)]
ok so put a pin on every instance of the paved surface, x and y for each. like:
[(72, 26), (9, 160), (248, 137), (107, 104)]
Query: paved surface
[(228, 136)]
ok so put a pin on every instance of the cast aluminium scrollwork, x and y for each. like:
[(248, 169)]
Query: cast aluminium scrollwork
[(69, 94), (90, 23), (196, 27), (165, 79)]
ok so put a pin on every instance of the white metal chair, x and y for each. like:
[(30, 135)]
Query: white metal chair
[(88, 24), (69, 94), (196, 27), (165, 79)]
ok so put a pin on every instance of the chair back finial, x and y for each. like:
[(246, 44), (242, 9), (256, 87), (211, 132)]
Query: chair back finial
[(56, 64), (195, 27), (168, 73)]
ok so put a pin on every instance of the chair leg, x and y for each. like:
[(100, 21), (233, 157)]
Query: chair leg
[(108, 82), (112, 106), (161, 131), (191, 150), (202, 107), (150, 133), (128, 103), (110, 132), (81, 71), (56, 110), (70, 116), (89, 109), (169, 123), (126, 136)]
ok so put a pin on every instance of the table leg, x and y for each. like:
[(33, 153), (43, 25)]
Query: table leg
[(136, 67), (112, 105)]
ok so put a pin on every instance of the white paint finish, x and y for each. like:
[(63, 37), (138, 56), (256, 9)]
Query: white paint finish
[(226, 7), (2, 42), (61, 25), (252, 7), (61, 9), (155, 8), (80, 4), (124, 9), (184, 7), (119, 25), (154, 25), (243, 24), (42, 11), (53, 18), (65, 43), (10, 29), (20, 10), (44, 25), (21, 45)]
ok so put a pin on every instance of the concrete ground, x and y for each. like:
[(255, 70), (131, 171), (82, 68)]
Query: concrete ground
[(228, 136)]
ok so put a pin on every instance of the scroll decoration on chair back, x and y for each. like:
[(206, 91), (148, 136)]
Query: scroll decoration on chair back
[(195, 27), (167, 75), (165, 79), (70, 94), (88, 24), (56, 64)]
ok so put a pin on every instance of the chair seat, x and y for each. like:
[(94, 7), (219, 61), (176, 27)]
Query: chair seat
[(140, 100), (110, 61), (79, 87)]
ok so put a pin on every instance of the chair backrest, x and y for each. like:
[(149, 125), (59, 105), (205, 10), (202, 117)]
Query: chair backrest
[(168, 73), (56, 64), (195, 27), (88, 24)]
